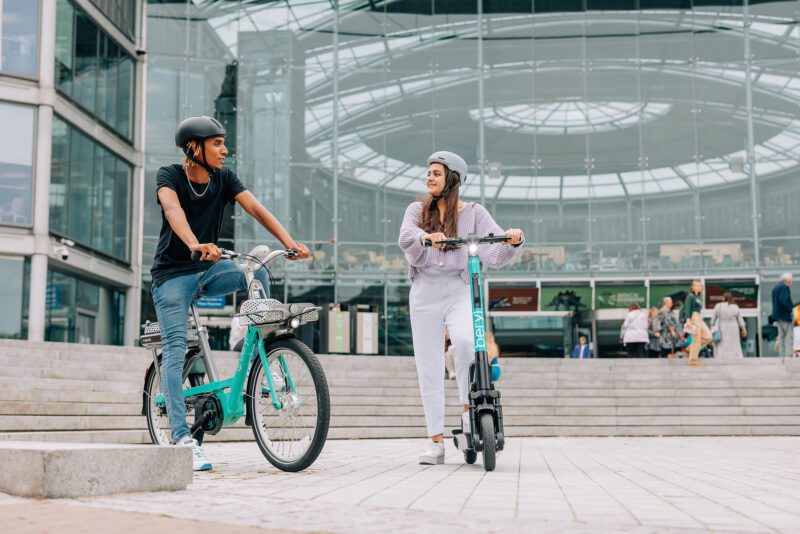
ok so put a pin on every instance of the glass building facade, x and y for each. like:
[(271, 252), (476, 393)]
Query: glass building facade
[(637, 143), (70, 169)]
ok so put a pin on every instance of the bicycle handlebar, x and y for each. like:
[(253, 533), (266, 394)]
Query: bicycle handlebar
[(232, 254)]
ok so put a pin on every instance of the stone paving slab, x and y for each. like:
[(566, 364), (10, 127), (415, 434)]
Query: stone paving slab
[(680, 484), (47, 518)]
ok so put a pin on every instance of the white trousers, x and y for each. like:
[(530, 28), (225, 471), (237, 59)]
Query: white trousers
[(437, 302)]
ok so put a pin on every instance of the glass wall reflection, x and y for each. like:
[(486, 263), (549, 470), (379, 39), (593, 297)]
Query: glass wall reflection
[(632, 143)]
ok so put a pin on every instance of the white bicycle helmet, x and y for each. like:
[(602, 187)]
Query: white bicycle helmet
[(452, 161)]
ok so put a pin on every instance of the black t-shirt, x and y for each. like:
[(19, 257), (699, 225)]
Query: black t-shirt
[(203, 212)]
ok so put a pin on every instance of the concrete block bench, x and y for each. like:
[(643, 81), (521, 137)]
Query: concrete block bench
[(68, 470)]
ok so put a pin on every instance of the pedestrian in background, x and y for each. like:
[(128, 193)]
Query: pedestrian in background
[(782, 315), (726, 325), (666, 329), (653, 345), (634, 332), (693, 323), (581, 351)]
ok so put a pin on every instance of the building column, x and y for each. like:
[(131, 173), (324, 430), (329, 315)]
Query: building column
[(41, 180), (133, 295)]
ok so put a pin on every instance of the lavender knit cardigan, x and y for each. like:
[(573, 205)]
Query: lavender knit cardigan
[(472, 219)]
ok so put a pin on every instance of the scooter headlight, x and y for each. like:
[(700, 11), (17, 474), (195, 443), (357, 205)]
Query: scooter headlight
[(473, 249)]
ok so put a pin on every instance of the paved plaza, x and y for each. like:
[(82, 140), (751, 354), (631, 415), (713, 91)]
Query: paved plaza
[(540, 485)]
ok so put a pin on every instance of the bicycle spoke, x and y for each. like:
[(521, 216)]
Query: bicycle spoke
[(289, 429)]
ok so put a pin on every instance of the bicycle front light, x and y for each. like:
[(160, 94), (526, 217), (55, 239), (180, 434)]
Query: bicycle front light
[(295, 322)]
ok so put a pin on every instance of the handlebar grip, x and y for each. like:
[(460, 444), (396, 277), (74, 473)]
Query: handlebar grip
[(291, 253), (427, 243), (195, 255)]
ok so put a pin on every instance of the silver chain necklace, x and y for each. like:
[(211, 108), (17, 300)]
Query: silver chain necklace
[(198, 195)]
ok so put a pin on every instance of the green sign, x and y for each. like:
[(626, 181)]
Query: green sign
[(613, 296), (678, 293), (566, 298)]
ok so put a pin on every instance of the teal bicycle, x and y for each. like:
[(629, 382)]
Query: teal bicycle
[(279, 386), (485, 434)]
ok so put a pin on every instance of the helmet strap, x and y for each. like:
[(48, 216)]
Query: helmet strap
[(191, 156), (454, 184)]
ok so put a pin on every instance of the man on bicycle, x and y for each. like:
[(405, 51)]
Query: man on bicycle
[(192, 196)]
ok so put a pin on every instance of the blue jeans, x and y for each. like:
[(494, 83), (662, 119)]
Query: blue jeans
[(172, 299)]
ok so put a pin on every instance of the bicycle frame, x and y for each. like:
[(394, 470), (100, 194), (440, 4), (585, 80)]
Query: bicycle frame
[(230, 391)]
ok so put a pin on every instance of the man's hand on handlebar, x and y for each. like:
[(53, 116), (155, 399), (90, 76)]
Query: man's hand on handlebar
[(301, 250), (434, 238), (207, 251)]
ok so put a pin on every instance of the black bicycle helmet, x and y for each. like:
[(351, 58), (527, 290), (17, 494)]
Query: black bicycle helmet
[(198, 129)]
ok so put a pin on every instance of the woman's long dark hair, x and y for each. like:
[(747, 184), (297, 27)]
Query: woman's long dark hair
[(431, 218)]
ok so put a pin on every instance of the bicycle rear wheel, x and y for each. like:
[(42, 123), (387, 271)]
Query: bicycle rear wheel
[(157, 421), (292, 436)]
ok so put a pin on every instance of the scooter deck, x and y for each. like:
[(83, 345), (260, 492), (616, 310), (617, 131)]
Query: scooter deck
[(463, 442)]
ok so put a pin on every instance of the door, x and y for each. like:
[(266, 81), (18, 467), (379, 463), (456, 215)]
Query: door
[(85, 327)]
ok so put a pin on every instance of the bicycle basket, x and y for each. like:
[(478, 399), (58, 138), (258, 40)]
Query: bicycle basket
[(262, 311)]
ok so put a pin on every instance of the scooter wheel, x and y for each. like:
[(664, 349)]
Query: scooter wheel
[(489, 441), (470, 457)]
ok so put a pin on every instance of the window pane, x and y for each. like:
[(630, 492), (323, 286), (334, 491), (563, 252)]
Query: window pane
[(82, 311), (59, 177), (19, 23), (119, 213), (123, 113), (86, 37), (60, 305), (89, 197), (65, 34), (88, 295), (16, 163), (11, 294), (81, 184), (103, 200), (107, 81)]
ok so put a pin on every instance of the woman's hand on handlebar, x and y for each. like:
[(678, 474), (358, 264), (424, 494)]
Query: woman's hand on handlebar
[(516, 235), (301, 250), (434, 238), (207, 251)]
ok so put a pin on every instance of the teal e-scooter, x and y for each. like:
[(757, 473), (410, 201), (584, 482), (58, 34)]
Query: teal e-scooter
[(485, 411)]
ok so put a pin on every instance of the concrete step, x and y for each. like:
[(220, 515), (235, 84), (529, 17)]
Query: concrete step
[(69, 395), (68, 408), (18, 383), (60, 373)]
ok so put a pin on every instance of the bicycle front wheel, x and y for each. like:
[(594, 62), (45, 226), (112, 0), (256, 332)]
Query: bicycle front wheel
[(290, 435)]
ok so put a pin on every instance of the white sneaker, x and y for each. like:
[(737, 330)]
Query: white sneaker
[(433, 454), (200, 461), (465, 426)]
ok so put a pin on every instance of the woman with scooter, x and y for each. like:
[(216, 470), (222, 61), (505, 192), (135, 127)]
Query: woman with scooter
[(440, 293)]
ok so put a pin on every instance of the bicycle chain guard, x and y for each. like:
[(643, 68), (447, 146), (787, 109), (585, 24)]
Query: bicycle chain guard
[(210, 409)]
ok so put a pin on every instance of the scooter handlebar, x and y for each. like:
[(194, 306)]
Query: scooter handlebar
[(491, 238)]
